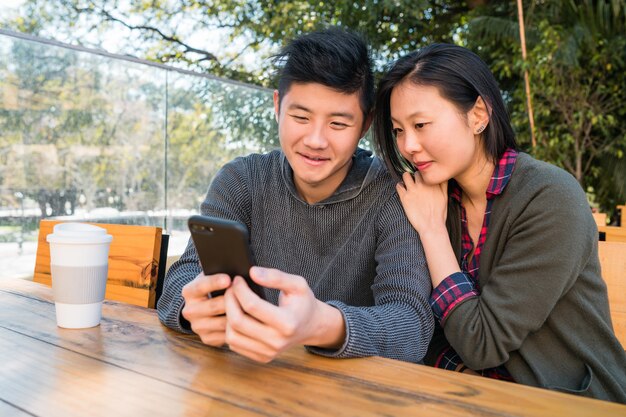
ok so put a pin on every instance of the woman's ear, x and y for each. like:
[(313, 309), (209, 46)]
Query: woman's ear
[(479, 116)]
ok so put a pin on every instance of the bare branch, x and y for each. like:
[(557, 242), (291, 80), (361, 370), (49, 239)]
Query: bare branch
[(207, 56), (238, 55)]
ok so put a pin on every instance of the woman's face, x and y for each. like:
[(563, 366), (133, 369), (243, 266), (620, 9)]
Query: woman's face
[(432, 134)]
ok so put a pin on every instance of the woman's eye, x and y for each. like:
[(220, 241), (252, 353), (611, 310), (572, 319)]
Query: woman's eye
[(395, 132), (420, 125), (339, 125)]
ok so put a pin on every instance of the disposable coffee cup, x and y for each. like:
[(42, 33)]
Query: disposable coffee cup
[(79, 264)]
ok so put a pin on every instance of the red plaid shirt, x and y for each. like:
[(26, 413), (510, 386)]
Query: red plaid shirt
[(462, 285)]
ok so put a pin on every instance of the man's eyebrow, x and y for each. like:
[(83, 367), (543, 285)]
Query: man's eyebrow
[(296, 106), (345, 115), (348, 116)]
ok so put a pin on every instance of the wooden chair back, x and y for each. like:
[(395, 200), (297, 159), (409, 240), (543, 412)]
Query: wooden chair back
[(613, 233), (613, 264), (134, 258), (622, 210), (600, 218)]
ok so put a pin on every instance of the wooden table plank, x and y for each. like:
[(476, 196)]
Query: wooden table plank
[(47, 380), (278, 389), (298, 383)]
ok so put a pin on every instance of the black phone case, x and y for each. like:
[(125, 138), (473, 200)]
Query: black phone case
[(223, 247)]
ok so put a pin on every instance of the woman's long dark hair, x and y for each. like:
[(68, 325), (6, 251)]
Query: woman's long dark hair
[(461, 77)]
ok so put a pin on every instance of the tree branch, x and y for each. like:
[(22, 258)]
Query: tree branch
[(207, 56)]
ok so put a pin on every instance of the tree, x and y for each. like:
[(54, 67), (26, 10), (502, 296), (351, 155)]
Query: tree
[(209, 123), (213, 36), (83, 130), (577, 65)]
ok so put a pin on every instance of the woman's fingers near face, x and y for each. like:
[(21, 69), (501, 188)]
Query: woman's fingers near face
[(401, 189), (407, 178), (411, 179)]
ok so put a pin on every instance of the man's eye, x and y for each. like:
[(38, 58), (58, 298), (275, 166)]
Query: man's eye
[(299, 118), (420, 125), (339, 125)]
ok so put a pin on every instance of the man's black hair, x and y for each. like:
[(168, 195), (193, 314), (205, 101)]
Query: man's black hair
[(333, 57)]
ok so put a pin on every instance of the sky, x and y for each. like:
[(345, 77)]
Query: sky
[(8, 7), (11, 3)]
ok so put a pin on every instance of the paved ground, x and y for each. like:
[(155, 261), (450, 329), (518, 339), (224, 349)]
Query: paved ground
[(14, 264), (21, 264)]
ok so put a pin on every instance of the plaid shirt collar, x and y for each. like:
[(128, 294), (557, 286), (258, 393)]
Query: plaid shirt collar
[(499, 179)]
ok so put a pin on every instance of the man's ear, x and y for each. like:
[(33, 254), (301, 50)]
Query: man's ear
[(276, 105), (479, 116), (367, 123)]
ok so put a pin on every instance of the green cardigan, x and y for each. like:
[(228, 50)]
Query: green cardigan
[(543, 309)]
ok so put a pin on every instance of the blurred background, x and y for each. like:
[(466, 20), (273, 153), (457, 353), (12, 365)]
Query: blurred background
[(121, 111)]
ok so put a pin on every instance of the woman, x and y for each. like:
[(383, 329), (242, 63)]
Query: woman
[(510, 242)]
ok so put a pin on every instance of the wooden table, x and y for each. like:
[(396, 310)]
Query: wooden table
[(131, 365)]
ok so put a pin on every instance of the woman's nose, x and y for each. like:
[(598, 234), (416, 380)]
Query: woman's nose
[(411, 143)]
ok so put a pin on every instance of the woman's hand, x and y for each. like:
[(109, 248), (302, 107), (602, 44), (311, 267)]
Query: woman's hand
[(425, 205)]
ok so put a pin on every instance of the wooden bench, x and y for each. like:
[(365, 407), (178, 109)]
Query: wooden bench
[(600, 219), (613, 233), (613, 263), (134, 260)]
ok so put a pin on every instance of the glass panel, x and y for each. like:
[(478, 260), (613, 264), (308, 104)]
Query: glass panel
[(95, 138), (210, 122)]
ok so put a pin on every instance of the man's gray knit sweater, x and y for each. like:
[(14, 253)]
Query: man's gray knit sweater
[(356, 250)]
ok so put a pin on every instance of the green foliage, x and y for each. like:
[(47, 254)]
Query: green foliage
[(209, 124), (577, 66)]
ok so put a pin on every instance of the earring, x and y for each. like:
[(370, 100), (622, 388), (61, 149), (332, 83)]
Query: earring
[(480, 129)]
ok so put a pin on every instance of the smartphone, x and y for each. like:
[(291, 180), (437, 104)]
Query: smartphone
[(223, 247)]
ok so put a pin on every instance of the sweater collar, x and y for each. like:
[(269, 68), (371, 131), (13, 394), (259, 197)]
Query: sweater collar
[(363, 171)]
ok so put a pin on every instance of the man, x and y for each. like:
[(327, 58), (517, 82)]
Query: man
[(343, 271)]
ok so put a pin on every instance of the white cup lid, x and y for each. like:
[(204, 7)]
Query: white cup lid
[(78, 233)]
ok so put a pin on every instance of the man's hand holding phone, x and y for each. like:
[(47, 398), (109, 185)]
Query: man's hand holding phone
[(260, 330), (241, 317), (205, 314)]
